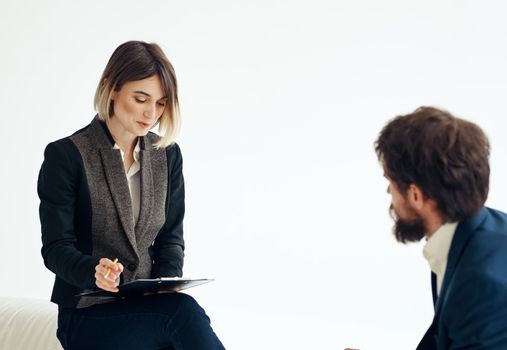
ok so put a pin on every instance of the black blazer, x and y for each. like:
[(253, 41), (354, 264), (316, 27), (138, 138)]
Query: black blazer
[(471, 310), (86, 212)]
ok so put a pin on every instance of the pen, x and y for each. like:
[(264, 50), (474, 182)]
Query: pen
[(109, 269)]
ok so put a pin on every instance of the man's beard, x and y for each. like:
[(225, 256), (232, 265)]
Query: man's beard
[(407, 230)]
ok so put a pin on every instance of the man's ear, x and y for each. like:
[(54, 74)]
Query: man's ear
[(415, 196)]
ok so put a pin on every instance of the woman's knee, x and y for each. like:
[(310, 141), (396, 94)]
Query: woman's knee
[(187, 303), (176, 301)]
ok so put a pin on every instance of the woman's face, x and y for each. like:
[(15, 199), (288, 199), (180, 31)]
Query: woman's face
[(138, 106)]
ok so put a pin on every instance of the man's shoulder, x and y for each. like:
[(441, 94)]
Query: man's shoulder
[(495, 221), (491, 234), (486, 250), (479, 275)]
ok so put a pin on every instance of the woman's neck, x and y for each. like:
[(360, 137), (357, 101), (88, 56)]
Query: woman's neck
[(124, 139)]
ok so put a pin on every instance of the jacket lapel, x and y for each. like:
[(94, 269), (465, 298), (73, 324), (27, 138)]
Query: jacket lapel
[(434, 289), (117, 182), (112, 164), (464, 232), (147, 190)]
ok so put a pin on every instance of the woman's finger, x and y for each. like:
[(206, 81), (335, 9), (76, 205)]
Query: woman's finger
[(119, 267), (107, 263), (106, 286)]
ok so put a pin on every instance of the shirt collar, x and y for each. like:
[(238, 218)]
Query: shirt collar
[(437, 247), (137, 149)]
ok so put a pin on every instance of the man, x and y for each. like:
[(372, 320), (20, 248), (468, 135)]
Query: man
[(438, 171)]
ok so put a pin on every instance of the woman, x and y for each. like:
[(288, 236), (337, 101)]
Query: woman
[(115, 190)]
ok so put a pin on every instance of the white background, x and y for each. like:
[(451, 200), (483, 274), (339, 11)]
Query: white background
[(281, 103)]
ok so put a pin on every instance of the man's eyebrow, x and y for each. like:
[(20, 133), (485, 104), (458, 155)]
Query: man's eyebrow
[(147, 94)]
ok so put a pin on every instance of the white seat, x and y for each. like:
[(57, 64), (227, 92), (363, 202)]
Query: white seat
[(28, 324)]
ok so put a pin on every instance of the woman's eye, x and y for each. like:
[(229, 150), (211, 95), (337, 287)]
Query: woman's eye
[(140, 100), (161, 104)]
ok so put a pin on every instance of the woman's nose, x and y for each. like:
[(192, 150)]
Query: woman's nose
[(149, 112)]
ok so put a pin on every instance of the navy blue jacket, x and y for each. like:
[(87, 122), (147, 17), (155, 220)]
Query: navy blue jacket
[(471, 310)]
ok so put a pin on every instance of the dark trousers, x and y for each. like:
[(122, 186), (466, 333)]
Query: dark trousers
[(162, 321)]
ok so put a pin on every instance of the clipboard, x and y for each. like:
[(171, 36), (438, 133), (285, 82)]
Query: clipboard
[(152, 285)]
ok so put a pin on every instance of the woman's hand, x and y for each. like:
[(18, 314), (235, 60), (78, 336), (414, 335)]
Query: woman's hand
[(108, 280)]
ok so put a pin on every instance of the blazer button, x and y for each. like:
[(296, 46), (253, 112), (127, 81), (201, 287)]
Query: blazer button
[(131, 267)]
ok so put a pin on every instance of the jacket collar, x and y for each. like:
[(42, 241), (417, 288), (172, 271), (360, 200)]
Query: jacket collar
[(464, 232)]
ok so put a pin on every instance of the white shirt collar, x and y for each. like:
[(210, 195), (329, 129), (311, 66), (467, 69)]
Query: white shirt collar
[(437, 249), (137, 149), (136, 166)]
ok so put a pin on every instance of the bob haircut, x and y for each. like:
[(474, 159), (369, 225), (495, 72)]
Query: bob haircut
[(137, 60)]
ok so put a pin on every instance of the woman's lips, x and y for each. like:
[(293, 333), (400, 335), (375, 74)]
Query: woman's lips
[(144, 125)]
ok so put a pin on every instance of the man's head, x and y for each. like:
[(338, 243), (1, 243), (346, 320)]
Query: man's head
[(438, 169)]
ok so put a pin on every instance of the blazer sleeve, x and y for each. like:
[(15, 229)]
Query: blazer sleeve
[(57, 189), (169, 246)]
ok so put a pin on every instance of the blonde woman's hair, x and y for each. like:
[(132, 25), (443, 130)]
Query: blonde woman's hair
[(137, 60)]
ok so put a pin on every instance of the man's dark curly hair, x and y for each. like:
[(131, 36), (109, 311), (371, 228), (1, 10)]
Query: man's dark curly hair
[(447, 157)]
